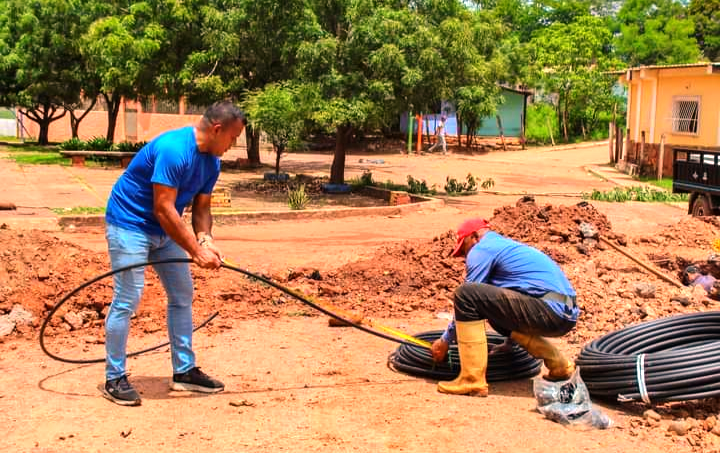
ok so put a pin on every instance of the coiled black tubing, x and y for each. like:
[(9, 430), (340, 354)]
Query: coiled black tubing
[(681, 360)]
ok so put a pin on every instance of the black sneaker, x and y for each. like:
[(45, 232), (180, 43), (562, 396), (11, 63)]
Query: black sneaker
[(196, 381), (120, 391)]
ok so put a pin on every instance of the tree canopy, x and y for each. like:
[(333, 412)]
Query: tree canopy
[(355, 65)]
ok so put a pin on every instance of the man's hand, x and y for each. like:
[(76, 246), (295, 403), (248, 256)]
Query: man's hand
[(439, 350), (206, 258), (210, 245), (506, 346)]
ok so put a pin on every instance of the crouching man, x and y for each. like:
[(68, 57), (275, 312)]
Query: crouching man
[(520, 291)]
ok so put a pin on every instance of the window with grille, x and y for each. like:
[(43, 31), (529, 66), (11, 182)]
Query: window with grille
[(193, 109), (167, 106), (686, 114)]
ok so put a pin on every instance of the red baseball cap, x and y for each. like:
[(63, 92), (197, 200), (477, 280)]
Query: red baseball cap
[(467, 228)]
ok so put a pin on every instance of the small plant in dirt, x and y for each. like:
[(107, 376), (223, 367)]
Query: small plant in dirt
[(489, 183), (74, 144), (363, 181), (454, 187), (420, 187), (99, 144), (298, 199), (635, 193)]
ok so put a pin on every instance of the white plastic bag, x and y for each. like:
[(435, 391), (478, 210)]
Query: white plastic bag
[(568, 403)]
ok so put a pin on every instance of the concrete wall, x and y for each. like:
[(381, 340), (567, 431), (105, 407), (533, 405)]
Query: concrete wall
[(651, 103), (130, 117)]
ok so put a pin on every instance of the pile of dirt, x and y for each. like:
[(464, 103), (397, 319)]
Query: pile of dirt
[(532, 224), (38, 269), (397, 281)]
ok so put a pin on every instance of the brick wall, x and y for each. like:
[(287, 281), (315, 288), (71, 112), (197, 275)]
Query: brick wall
[(147, 125)]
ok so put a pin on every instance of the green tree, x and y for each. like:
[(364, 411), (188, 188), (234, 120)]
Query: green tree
[(38, 51), (277, 110), (570, 61), (248, 44), (706, 15), (121, 49), (655, 32)]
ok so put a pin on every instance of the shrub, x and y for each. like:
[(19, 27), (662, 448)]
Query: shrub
[(74, 144), (129, 147), (635, 193), (454, 187), (298, 199), (99, 144), (416, 186)]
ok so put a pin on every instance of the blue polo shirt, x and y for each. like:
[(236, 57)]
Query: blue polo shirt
[(505, 263), (172, 159)]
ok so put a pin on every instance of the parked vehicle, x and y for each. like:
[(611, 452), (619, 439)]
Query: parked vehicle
[(697, 172)]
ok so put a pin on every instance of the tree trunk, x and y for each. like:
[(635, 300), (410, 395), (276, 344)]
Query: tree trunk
[(113, 108), (44, 132), (337, 171), (278, 153), (252, 144), (75, 121), (43, 116)]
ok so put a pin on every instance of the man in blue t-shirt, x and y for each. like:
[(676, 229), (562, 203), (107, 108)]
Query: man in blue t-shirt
[(144, 223), (520, 291)]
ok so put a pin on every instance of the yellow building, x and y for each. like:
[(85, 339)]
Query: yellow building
[(676, 105)]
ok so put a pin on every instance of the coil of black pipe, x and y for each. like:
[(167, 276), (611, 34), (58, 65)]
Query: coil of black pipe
[(502, 366), (678, 356)]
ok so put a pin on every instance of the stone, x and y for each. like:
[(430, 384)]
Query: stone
[(648, 311), (588, 230), (679, 427), (652, 415), (710, 423), (6, 326), (20, 316), (645, 290), (330, 290), (716, 430), (74, 320)]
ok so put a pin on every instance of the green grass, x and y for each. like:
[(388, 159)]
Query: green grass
[(665, 183), (39, 158), (6, 114), (80, 210), (636, 193)]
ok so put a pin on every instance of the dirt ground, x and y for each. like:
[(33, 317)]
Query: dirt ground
[(295, 384)]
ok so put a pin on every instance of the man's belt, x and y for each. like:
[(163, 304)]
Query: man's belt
[(569, 301)]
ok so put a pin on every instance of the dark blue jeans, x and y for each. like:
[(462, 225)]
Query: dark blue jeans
[(508, 311)]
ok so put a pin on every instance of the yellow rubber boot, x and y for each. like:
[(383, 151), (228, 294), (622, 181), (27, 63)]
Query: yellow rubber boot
[(560, 368), (472, 346)]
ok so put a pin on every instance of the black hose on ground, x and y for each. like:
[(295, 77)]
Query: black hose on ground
[(502, 366), (668, 359), (269, 282)]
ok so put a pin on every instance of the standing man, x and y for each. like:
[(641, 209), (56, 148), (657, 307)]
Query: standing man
[(440, 135), (522, 293), (144, 223)]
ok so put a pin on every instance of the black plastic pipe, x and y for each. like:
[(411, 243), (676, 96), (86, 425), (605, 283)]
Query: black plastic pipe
[(282, 288), (681, 360), (502, 366)]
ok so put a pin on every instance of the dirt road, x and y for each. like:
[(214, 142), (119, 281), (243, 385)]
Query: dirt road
[(293, 384)]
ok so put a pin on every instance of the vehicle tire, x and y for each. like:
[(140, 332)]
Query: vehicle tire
[(701, 207)]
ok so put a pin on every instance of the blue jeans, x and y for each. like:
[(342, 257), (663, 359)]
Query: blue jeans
[(128, 247)]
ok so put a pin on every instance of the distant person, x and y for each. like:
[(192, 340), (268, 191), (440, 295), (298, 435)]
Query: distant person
[(440, 135), (520, 291), (144, 223)]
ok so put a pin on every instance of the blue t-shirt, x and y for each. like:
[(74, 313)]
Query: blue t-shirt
[(502, 262), (172, 159)]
